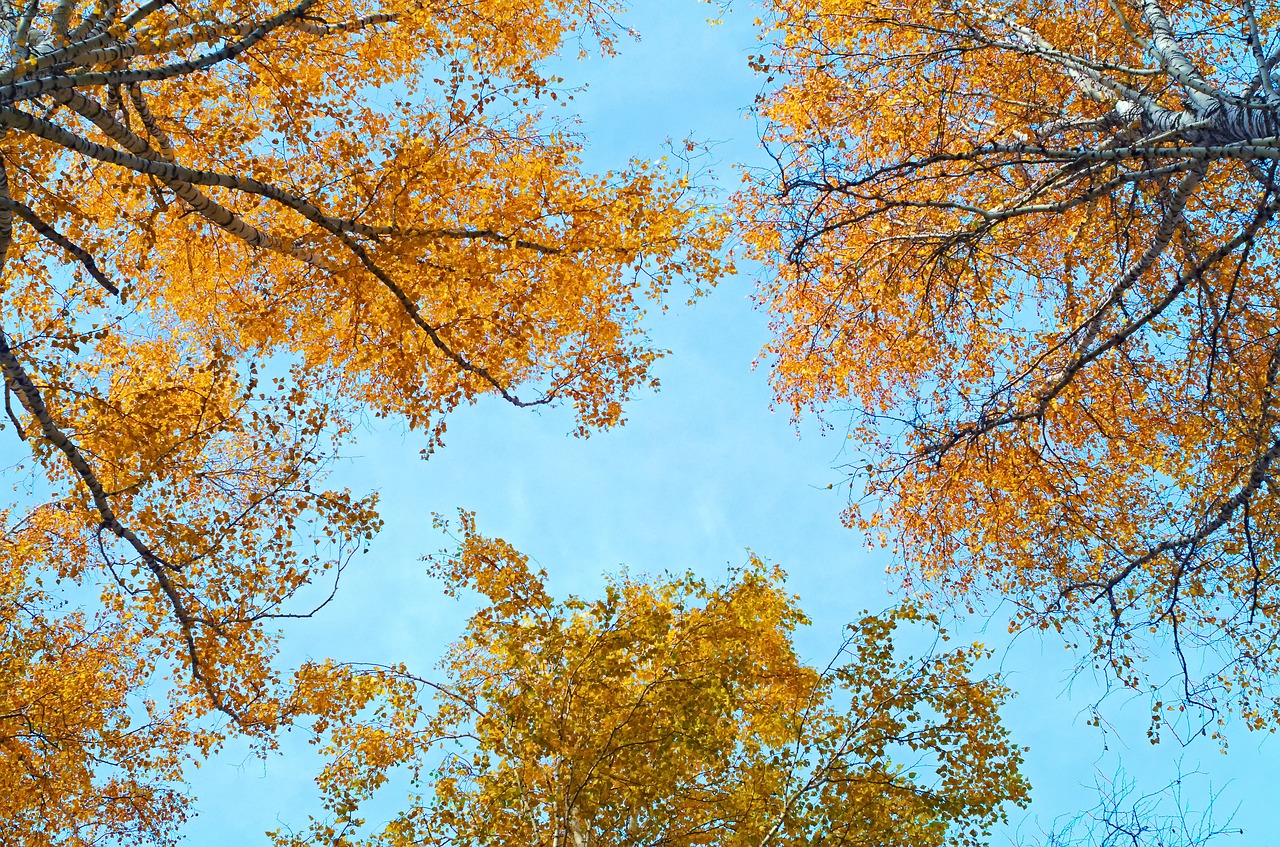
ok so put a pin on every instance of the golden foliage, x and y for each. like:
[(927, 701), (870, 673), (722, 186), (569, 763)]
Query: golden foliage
[(281, 218), (1033, 243), (668, 711)]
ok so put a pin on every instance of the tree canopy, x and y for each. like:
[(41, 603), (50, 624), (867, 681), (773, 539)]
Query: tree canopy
[(1034, 245), (668, 711), (228, 231), (1030, 242)]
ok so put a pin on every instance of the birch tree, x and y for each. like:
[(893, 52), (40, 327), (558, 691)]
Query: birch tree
[(229, 231), (668, 711), (1033, 244)]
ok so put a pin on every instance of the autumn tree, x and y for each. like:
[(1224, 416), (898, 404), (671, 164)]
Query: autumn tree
[(229, 230), (668, 711), (1033, 244)]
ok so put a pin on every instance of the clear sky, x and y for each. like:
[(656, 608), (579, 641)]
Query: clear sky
[(703, 471)]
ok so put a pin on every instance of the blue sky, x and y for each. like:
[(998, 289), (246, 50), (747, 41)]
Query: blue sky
[(703, 471)]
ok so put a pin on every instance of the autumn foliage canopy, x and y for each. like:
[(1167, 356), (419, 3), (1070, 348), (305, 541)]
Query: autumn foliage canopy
[(1031, 243), (227, 228), (668, 711), (1034, 245)]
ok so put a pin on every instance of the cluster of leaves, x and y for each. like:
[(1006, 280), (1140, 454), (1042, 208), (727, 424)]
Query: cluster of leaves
[(669, 711), (75, 762), (1033, 243), (280, 218)]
